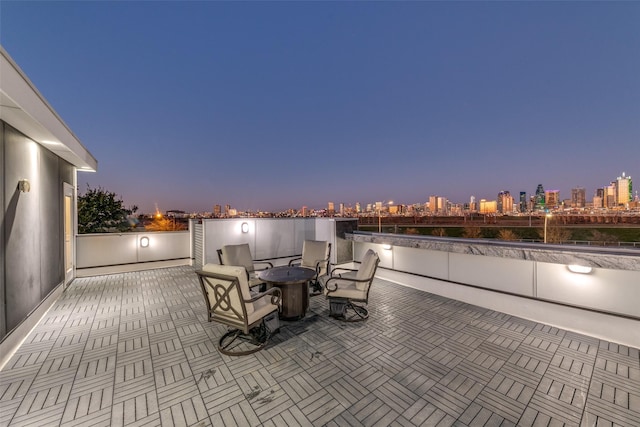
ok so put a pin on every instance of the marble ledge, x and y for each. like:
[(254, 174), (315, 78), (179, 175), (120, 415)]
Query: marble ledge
[(617, 259)]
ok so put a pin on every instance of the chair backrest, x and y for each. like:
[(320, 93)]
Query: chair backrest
[(224, 288), (237, 255), (314, 252), (367, 269)]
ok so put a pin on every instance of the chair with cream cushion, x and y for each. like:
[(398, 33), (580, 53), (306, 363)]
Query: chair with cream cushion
[(241, 255), (345, 287), (226, 292), (315, 255)]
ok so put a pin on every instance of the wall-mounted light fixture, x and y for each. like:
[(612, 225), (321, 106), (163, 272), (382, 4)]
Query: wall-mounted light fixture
[(386, 246), (582, 269), (144, 242), (245, 227), (24, 186)]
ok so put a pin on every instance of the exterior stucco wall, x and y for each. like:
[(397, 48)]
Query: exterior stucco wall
[(32, 225), (3, 315)]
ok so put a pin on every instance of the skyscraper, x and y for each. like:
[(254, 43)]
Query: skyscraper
[(539, 198), (505, 202), (578, 197), (552, 199), (433, 204), (609, 198), (624, 190), (523, 202), (331, 210)]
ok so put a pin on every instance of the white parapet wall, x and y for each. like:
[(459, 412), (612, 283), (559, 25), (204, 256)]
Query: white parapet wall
[(120, 252), (603, 303), (275, 239)]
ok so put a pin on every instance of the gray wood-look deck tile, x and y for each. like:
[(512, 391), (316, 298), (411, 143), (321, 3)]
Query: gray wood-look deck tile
[(136, 349)]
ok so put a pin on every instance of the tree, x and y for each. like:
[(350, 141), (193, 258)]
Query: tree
[(506, 234), (439, 232), (472, 232), (411, 231), (603, 239), (165, 224), (555, 234), (100, 211)]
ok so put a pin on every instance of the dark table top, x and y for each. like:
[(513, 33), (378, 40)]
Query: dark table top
[(286, 275)]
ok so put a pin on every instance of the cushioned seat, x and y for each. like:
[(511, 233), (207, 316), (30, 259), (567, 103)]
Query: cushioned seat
[(229, 301), (315, 255), (353, 286), (241, 255)]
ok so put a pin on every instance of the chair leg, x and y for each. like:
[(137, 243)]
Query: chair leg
[(316, 288), (256, 340), (352, 313)]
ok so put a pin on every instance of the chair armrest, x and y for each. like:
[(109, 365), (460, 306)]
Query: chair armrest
[(276, 296), (322, 263), (337, 279), (291, 262), (342, 269), (268, 265)]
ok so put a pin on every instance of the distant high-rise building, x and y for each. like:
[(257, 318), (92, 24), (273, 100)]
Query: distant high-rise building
[(539, 198), (443, 205), (358, 210), (473, 206), (597, 200), (227, 209), (331, 209), (341, 209), (552, 199), (217, 210), (304, 212), (609, 196), (488, 206), (624, 190), (504, 202), (433, 204), (578, 197), (522, 204)]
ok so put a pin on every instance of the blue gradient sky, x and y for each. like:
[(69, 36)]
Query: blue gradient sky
[(274, 105)]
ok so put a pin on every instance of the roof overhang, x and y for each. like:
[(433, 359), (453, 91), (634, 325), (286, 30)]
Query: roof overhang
[(24, 108)]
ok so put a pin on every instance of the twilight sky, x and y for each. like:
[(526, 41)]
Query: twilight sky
[(273, 105)]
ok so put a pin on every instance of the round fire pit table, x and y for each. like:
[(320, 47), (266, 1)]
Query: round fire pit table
[(292, 281)]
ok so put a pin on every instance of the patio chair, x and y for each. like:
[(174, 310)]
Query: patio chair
[(241, 255), (229, 301), (349, 286), (315, 255)]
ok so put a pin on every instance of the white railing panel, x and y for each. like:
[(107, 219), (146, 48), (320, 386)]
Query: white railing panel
[(110, 249), (276, 238), (506, 275), (421, 261), (94, 250), (616, 291), (164, 246)]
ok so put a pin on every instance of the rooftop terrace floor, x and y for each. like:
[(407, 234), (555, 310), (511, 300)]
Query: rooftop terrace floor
[(136, 349)]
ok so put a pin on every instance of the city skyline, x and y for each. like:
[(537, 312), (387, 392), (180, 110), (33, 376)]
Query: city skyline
[(270, 106), (218, 208)]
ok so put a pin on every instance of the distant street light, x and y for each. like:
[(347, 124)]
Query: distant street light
[(546, 217), (390, 202)]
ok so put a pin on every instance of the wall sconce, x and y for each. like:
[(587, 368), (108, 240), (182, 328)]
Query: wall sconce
[(244, 227), (144, 242), (582, 269), (386, 247), (24, 185)]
